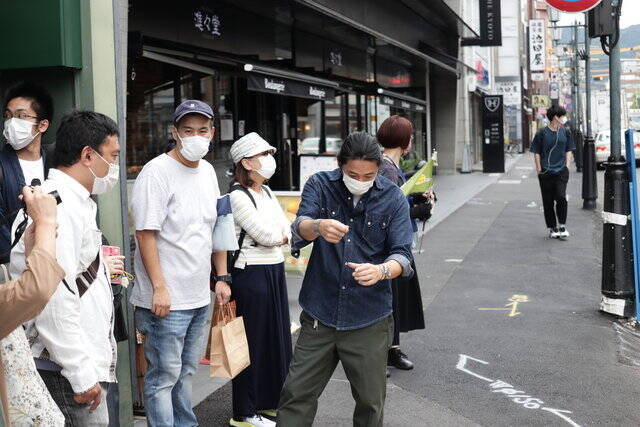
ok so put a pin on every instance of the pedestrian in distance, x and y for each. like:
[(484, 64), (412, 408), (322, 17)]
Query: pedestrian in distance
[(72, 338), (553, 148), (259, 283), (174, 211), (28, 112), (395, 135), (359, 224), (21, 300)]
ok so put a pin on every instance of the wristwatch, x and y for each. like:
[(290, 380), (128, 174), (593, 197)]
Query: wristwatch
[(226, 278)]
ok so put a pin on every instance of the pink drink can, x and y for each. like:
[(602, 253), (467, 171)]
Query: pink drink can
[(112, 251)]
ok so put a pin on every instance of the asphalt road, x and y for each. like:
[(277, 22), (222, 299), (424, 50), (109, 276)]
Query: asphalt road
[(541, 354)]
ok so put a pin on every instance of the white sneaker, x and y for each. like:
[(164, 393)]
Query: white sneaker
[(554, 233), (562, 232), (254, 421)]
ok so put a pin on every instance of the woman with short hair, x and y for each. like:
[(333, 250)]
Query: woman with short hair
[(395, 135), (259, 286)]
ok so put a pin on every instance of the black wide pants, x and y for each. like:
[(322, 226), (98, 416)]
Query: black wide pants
[(554, 196)]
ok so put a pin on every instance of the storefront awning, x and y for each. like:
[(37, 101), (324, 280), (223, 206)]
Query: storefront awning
[(288, 83), (399, 100), (178, 62)]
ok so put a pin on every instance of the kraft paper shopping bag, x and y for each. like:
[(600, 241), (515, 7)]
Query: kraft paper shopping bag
[(229, 346)]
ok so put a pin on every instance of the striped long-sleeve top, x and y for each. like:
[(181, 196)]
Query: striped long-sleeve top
[(265, 226)]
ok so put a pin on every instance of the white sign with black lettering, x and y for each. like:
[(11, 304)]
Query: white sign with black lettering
[(537, 53)]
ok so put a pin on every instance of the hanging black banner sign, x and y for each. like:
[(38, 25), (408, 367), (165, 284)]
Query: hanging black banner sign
[(490, 25), (492, 134), (279, 86)]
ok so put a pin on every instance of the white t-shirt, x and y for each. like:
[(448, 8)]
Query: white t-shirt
[(32, 169), (180, 203)]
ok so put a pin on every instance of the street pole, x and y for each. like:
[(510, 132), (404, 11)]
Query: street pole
[(587, 72), (617, 251), (589, 176), (576, 81), (614, 92), (577, 107)]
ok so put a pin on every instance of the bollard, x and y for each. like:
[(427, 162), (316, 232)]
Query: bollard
[(589, 175), (617, 251)]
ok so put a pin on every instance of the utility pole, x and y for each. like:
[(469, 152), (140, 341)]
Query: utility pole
[(576, 80), (589, 176), (617, 251), (587, 72)]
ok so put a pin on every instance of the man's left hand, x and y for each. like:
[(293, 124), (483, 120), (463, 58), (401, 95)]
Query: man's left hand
[(366, 274), (223, 293)]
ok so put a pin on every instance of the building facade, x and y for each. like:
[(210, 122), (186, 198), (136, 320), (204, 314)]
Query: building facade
[(302, 74)]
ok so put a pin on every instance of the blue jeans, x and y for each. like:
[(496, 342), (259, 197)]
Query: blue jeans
[(75, 414), (171, 349)]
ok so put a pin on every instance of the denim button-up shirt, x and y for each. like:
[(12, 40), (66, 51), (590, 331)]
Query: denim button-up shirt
[(379, 231)]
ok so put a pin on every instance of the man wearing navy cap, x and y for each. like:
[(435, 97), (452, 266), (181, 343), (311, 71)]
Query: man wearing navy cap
[(174, 210)]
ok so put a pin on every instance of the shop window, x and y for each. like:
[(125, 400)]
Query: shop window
[(309, 115), (335, 129), (372, 114), (355, 113), (149, 129)]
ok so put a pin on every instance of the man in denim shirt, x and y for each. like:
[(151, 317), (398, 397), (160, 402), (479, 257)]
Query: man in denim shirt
[(359, 223)]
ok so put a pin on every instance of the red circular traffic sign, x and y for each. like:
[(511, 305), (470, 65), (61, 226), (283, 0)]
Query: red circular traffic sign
[(573, 6)]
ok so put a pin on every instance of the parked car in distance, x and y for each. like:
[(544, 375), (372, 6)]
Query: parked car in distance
[(312, 145), (603, 146)]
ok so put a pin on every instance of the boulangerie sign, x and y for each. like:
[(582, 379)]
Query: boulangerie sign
[(280, 86)]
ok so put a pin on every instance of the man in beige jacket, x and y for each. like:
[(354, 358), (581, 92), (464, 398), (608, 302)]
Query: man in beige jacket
[(24, 298)]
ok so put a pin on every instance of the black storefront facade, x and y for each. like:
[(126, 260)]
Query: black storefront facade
[(301, 76)]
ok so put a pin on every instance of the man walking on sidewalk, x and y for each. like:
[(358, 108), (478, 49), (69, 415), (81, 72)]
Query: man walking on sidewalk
[(552, 148), (359, 224), (174, 210)]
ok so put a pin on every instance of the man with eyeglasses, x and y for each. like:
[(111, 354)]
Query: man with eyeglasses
[(28, 111)]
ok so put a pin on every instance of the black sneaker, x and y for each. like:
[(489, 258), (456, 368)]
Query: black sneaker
[(398, 359)]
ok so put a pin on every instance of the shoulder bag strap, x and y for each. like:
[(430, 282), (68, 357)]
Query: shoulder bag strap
[(236, 254)]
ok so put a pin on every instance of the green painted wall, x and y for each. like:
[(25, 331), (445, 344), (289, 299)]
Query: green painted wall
[(40, 33)]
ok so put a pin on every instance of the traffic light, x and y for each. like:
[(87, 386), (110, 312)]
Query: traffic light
[(602, 19)]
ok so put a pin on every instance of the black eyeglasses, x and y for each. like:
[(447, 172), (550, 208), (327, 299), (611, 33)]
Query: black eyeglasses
[(22, 115)]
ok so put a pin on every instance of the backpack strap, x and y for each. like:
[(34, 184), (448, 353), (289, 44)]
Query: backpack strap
[(233, 256), (266, 190)]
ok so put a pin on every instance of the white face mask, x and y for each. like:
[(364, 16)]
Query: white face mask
[(267, 166), (563, 120), (102, 185), (18, 133), (355, 187), (194, 147)]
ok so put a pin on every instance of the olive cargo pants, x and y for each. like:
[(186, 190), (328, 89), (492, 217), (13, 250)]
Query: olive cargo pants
[(363, 354)]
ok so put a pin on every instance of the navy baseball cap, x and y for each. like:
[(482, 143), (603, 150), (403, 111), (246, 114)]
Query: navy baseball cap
[(192, 106)]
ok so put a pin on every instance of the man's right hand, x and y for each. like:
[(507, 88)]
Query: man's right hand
[(332, 231), (41, 207), (161, 302), (91, 397)]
